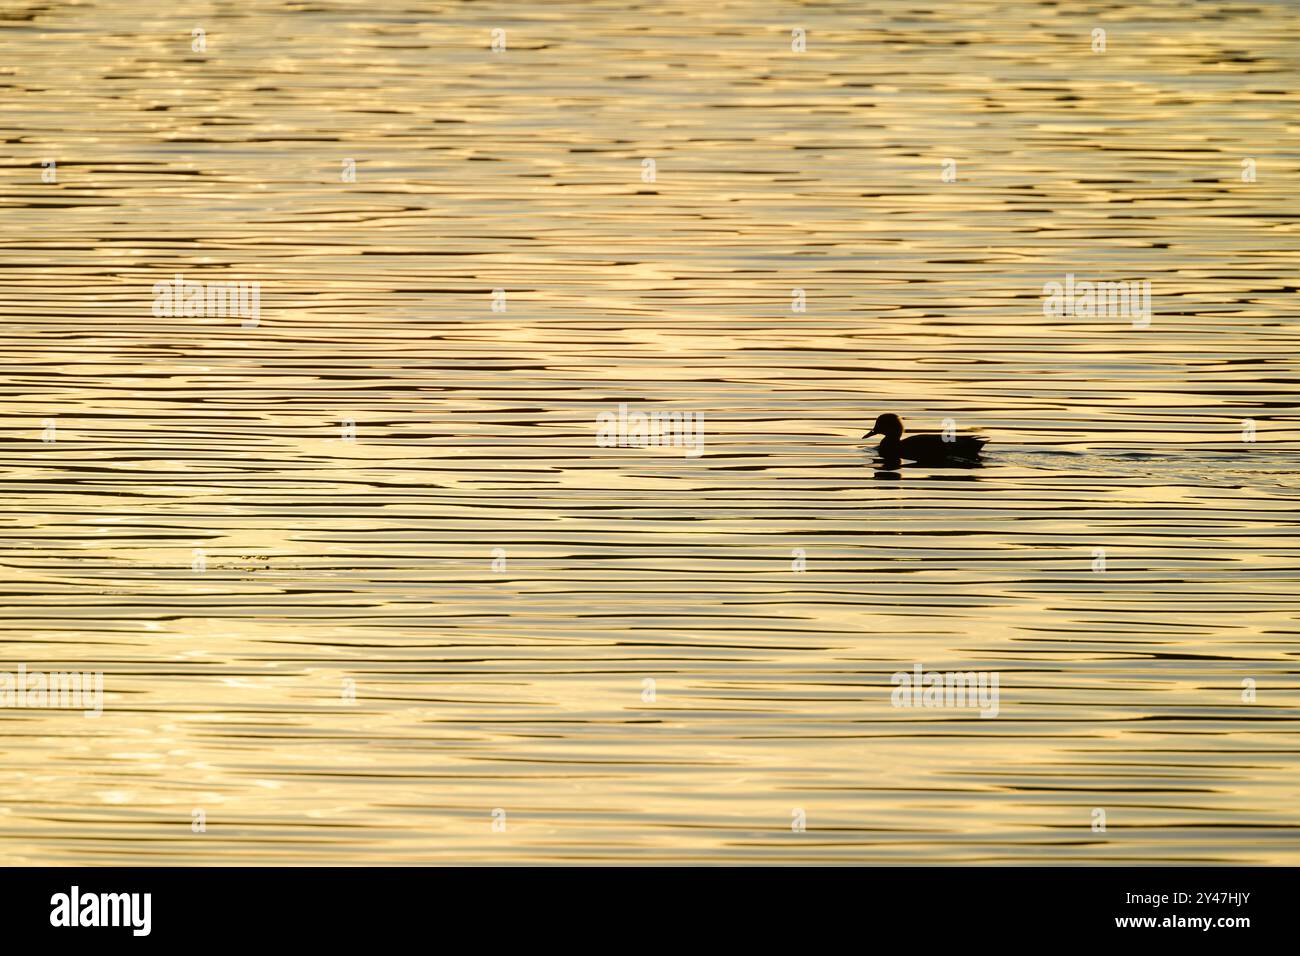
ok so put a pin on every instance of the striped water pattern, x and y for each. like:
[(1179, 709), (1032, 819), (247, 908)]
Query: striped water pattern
[(521, 687)]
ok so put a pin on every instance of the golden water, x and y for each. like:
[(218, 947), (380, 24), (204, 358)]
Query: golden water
[(521, 689)]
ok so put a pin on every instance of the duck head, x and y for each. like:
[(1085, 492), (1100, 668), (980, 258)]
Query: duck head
[(888, 424)]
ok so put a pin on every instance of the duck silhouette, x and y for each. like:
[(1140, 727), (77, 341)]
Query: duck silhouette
[(925, 448)]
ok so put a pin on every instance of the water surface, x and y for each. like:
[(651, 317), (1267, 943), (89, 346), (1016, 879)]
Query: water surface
[(369, 564)]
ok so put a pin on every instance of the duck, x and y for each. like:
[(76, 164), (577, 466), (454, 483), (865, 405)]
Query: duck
[(922, 448)]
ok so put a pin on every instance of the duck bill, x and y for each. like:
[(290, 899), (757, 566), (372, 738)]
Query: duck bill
[(870, 433)]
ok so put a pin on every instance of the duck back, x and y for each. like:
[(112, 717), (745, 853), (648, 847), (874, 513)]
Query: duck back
[(931, 447)]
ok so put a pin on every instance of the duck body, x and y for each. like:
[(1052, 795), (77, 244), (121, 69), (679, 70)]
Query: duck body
[(923, 448)]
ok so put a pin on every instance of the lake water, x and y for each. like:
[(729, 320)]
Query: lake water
[(474, 633)]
